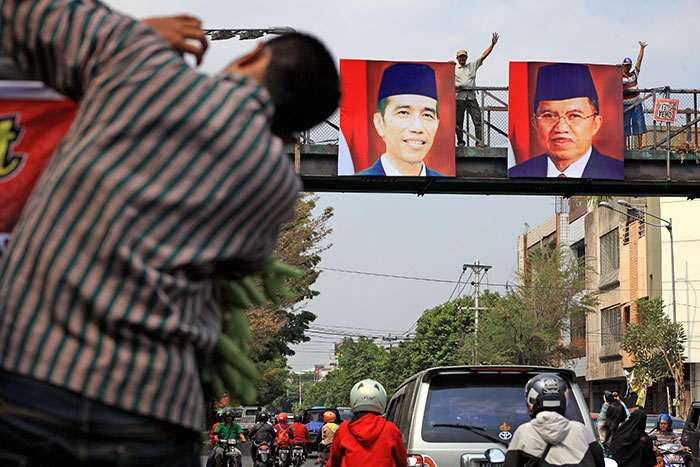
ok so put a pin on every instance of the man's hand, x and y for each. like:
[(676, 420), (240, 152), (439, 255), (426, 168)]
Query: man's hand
[(179, 31), (494, 39), (642, 44)]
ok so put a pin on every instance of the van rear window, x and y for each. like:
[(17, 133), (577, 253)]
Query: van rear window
[(251, 412), (494, 402)]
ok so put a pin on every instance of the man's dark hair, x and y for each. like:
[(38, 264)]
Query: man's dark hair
[(303, 81), (594, 104)]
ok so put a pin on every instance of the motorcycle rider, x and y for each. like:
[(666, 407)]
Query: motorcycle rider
[(367, 438), (301, 433), (282, 428), (283, 431), (219, 419), (227, 430), (550, 436), (327, 432), (664, 431), (262, 432)]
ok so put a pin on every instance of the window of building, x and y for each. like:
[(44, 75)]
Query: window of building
[(609, 257), (579, 249), (611, 326)]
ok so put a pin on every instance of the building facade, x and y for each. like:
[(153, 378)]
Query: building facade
[(626, 260)]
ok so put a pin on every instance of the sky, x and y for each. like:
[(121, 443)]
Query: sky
[(431, 237)]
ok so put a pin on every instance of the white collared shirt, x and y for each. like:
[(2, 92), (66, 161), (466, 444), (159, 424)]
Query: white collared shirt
[(390, 170), (575, 170)]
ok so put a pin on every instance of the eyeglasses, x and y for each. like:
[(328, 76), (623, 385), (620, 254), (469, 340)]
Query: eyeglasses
[(572, 118)]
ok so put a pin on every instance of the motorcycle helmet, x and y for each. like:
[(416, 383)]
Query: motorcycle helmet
[(282, 417), (220, 413), (229, 412), (546, 392), (262, 417), (328, 417), (368, 396), (299, 418), (664, 417)]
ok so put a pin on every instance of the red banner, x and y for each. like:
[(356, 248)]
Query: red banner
[(563, 113), (423, 130), (33, 121)]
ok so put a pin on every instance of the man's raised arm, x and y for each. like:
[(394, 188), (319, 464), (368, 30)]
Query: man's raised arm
[(63, 42), (487, 52), (642, 46)]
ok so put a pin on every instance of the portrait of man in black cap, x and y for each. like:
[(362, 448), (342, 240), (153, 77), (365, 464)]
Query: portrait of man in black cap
[(566, 119), (407, 119)]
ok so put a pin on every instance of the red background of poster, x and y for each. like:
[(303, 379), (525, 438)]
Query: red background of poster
[(43, 124), (521, 97), (360, 80)]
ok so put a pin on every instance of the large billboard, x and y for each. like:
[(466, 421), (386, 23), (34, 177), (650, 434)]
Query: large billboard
[(565, 120), (397, 119), (33, 120)]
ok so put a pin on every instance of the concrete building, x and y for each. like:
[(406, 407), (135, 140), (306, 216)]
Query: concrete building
[(685, 218), (627, 260)]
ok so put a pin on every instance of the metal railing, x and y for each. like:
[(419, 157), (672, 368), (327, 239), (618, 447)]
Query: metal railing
[(684, 130)]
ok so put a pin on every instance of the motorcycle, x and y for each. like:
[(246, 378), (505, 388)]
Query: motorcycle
[(231, 454), (325, 455), (264, 455), (283, 455), (297, 456), (672, 454)]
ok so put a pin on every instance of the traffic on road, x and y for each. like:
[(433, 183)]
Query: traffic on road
[(452, 415)]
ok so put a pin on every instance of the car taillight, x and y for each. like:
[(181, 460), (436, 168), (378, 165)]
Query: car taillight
[(416, 460)]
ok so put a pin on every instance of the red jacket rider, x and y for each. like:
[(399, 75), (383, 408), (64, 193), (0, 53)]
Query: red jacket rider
[(368, 438)]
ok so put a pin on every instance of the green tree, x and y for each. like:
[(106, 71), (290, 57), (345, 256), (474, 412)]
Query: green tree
[(656, 345), (300, 244), (440, 340), (359, 359), (525, 326), (275, 327)]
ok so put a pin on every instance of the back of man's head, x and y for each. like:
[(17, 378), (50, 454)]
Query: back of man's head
[(303, 81)]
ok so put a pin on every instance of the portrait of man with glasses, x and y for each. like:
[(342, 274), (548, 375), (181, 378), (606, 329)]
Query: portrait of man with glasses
[(565, 121)]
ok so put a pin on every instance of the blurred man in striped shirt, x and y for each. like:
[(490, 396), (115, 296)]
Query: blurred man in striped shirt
[(166, 178)]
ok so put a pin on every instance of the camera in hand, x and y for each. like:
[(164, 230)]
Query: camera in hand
[(610, 396)]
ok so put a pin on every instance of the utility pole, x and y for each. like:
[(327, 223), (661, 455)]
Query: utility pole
[(477, 268)]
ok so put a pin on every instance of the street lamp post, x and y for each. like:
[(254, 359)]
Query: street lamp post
[(244, 34), (667, 223)]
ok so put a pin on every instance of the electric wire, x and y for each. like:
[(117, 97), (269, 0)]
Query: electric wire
[(491, 284)]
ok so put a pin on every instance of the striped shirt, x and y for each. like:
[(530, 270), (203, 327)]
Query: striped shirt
[(630, 95), (166, 174)]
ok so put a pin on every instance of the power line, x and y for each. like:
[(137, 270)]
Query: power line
[(492, 284), (350, 327), (457, 284), (393, 276)]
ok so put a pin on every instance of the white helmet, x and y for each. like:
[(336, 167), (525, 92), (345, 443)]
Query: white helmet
[(368, 396)]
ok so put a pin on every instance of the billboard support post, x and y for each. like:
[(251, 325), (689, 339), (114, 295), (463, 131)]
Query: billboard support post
[(667, 93)]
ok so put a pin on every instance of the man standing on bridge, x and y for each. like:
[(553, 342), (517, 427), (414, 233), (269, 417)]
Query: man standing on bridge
[(465, 78)]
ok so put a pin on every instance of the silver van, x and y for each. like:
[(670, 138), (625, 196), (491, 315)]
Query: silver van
[(488, 403), (248, 418)]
